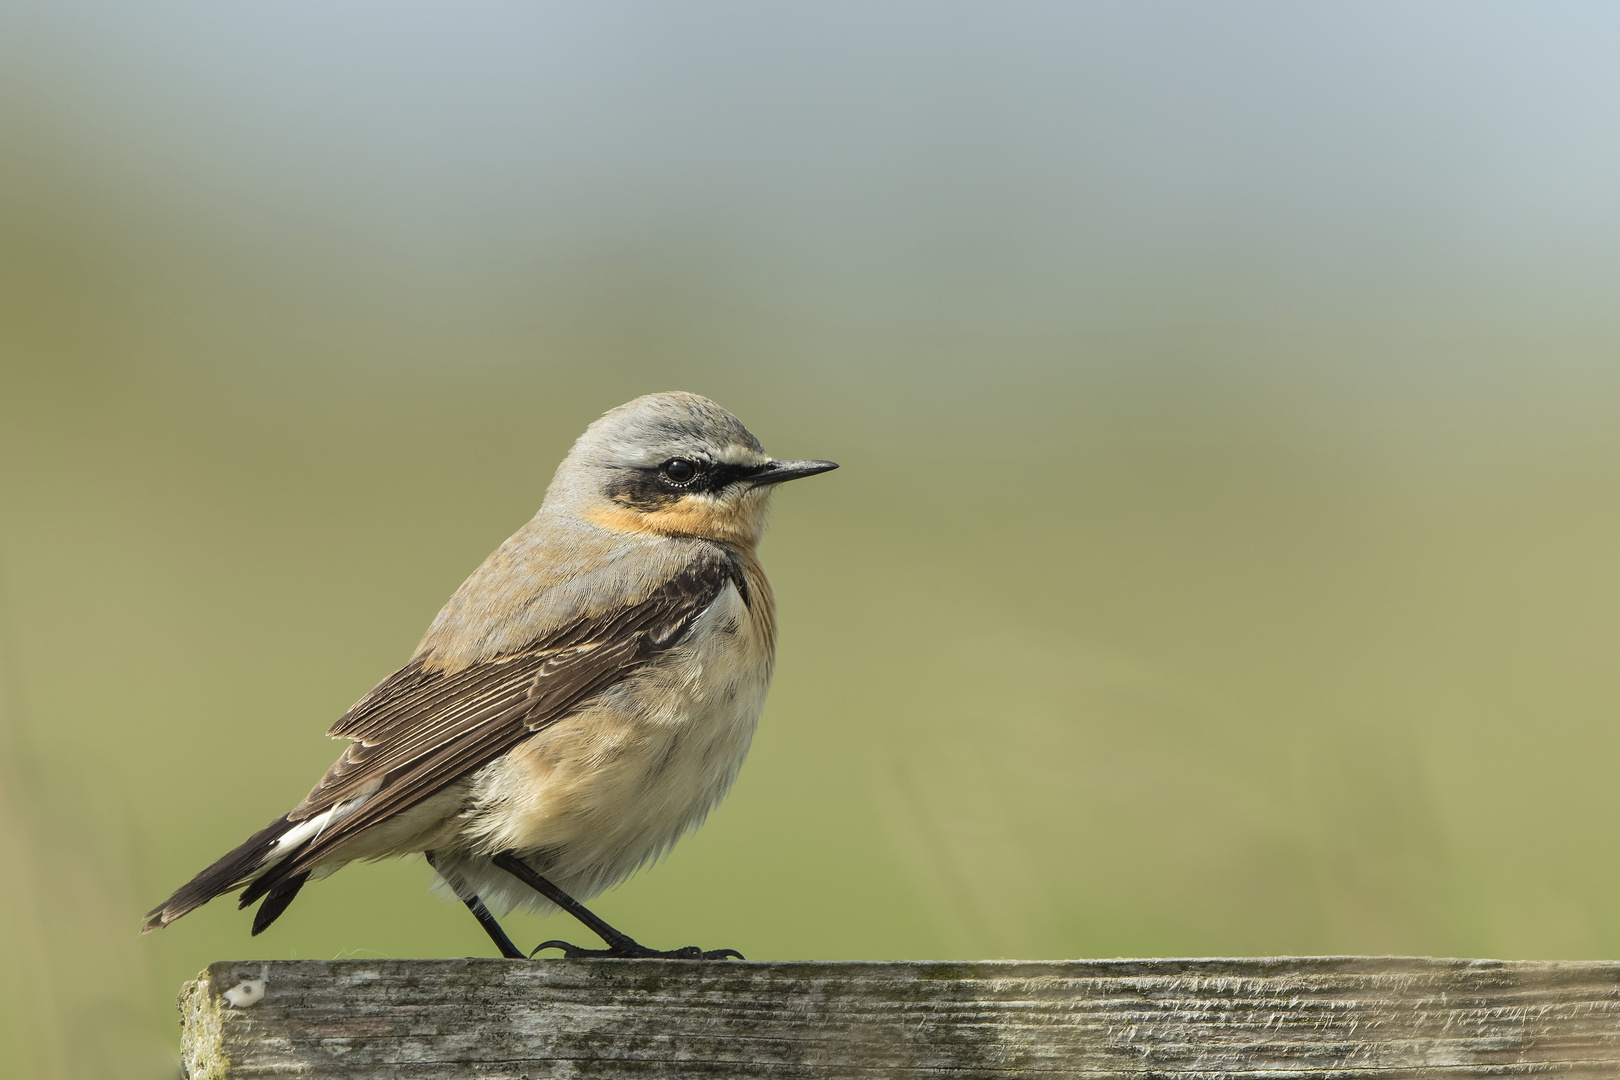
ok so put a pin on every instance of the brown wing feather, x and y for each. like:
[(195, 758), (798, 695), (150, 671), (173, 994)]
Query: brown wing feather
[(420, 730)]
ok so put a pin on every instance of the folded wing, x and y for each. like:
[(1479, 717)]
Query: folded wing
[(421, 729)]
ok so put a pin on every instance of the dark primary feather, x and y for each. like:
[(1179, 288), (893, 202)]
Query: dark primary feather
[(230, 870), (421, 730)]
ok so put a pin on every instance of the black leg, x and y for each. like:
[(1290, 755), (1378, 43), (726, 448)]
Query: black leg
[(485, 918), (620, 945)]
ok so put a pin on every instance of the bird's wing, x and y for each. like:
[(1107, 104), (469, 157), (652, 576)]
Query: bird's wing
[(420, 730)]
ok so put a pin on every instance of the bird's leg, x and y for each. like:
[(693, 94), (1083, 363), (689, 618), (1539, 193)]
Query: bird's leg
[(620, 945), (485, 918)]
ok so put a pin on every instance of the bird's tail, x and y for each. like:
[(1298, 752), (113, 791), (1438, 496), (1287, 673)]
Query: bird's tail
[(234, 870)]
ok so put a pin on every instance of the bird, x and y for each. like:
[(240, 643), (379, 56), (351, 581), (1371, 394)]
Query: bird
[(581, 702)]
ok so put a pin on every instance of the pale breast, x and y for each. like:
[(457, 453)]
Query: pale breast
[(596, 795)]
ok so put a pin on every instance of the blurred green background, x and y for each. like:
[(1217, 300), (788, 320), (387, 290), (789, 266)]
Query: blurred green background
[(1226, 558)]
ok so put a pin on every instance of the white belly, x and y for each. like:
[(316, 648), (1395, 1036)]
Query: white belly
[(593, 797)]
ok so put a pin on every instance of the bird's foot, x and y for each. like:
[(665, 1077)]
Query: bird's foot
[(634, 950)]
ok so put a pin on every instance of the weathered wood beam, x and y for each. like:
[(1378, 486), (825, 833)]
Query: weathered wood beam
[(1316, 1017)]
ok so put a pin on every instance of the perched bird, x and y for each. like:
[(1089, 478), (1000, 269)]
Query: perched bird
[(584, 699)]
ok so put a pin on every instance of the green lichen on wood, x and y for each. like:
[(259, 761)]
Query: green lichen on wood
[(202, 1043)]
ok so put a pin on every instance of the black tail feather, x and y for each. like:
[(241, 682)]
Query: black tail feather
[(271, 880), (276, 901), (226, 874)]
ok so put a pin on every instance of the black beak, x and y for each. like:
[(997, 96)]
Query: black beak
[(775, 472)]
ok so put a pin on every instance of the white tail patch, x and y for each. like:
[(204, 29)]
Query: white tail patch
[(306, 832)]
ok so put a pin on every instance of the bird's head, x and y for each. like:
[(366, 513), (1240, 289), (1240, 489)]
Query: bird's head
[(673, 464)]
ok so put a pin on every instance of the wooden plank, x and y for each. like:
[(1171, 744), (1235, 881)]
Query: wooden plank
[(1316, 1017)]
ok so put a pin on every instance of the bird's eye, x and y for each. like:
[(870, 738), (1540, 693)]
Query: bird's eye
[(679, 469)]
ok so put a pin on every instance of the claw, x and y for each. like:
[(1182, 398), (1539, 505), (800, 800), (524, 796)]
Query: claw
[(570, 952), (633, 950)]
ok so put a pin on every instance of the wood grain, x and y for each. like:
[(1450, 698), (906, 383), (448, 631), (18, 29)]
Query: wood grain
[(1316, 1017)]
